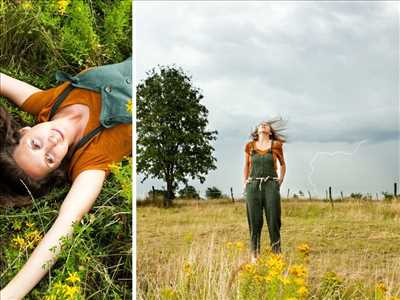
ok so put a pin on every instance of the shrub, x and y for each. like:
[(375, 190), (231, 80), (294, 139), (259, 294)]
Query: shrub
[(189, 192), (356, 195), (213, 193)]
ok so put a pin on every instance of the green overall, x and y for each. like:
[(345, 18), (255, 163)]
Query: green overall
[(114, 83), (262, 195)]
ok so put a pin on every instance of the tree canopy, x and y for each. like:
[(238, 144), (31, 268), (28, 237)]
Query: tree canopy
[(173, 142)]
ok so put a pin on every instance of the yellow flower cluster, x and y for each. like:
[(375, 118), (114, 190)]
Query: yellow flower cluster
[(62, 6), (276, 263), (27, 5), (304, 249), (298, 270), (381, 287), (65, 291), (73, 277), (29, 239), (270, 274)]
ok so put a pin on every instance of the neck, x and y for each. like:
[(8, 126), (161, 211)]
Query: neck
[(263, 138), (73, 122)]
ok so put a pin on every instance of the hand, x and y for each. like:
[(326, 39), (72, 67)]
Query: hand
[(280, 180)]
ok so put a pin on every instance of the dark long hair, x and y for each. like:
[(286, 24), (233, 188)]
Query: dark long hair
[(16, 187), (277, 126)]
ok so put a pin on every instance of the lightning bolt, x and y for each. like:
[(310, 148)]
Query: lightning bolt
[(316, 155)]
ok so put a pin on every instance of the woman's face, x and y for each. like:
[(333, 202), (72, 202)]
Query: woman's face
[(41, 149), (264, 128)]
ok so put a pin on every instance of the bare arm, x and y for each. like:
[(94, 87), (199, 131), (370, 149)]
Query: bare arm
[(15, 90), (246, 168), (282, 164), (79, 201)]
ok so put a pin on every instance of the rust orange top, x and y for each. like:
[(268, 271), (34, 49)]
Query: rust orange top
[(110, 145), (277, 152)]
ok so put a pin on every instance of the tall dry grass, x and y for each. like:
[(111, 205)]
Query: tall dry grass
[(195, 250)]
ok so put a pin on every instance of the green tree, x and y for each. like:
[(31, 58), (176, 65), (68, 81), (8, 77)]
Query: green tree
[(213, 193), (173, 143), (189, 192)]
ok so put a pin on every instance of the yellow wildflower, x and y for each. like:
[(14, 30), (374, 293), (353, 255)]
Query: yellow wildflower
[(304, 248), (285, 280), (62, 6), (258, 278), (73, 277), (27, 5), (70, 291), (114, 167), (129, 105), (30, 225), (299, 281), (276, 263), (240, 246), (250, 268), (19, 242), (58, 285), (269, 277), (302, 291), (298, 270), (381, 287), (229, 245)]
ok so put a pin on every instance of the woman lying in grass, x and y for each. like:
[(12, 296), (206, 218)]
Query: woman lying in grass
[(84, 125)]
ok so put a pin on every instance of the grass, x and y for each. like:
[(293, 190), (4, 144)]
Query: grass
[(358, 240), (99, 254), (37, 38)]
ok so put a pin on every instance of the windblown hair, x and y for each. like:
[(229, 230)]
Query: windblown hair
[(277, 126), (16, 187)]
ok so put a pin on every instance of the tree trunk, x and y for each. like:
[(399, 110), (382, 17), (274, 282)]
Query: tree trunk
[(170, 193)]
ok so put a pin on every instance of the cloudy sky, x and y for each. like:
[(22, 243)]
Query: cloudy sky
[(330, 69)]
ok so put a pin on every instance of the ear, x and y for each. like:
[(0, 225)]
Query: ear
[(24, 130)]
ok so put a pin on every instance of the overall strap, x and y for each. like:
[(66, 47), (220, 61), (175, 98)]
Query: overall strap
[(60, 100), (87, 137)]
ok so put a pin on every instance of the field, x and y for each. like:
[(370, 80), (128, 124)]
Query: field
[(198, 250)]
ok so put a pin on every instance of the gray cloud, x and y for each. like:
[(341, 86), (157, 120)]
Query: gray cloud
[(331, 69)]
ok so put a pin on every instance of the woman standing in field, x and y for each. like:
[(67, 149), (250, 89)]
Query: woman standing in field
[(84, 126), (262, 184)]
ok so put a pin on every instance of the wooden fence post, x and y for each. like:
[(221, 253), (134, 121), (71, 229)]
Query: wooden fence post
[(233, 199), (330, 196), (309, 195), (154, 193), (341, 195), (395, 190), (288, 190)]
